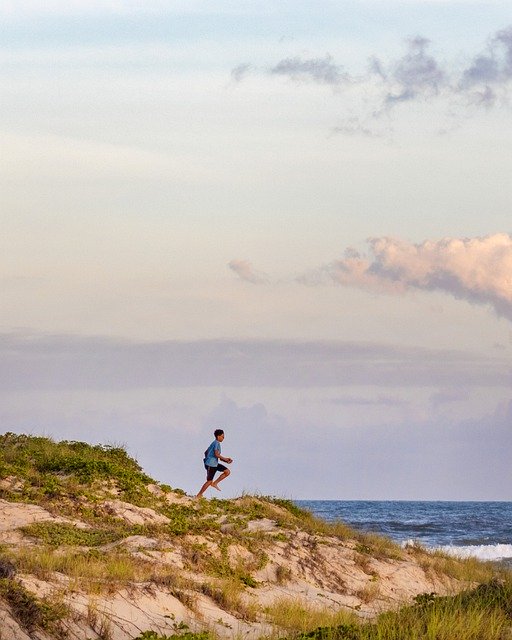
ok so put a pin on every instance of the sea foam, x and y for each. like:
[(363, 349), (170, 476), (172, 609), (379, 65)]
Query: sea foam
[(482, 551)]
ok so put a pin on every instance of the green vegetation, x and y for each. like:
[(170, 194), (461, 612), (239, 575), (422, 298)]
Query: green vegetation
[(483, 613), (56, 534), (26, 454), (228, 594), (95, 571), (467, 570), (297, 615), (32, 612), (68, 476), (182, 632)]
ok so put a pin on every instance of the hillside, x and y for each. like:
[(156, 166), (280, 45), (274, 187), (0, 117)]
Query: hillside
[(91, 547)]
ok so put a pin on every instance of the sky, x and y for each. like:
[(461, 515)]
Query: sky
[(288, 220)]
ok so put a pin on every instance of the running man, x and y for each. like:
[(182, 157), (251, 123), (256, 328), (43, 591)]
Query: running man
[(212, 455)]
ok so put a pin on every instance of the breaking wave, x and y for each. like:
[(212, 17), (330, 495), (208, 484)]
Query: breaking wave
[(481, 551)]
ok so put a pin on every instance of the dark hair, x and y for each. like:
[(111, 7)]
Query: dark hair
[(218, 432)]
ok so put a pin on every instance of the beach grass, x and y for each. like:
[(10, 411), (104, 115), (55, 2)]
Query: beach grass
[(482, 613), (297, 616), (467, 570)]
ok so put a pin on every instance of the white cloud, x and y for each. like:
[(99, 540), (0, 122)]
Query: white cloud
[(478, 270)]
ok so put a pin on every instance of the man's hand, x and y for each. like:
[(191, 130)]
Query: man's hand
[(228, 460)]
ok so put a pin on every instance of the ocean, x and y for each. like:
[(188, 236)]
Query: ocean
[(464, 529)]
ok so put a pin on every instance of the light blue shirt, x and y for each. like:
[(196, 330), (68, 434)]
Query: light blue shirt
[(211, 459)]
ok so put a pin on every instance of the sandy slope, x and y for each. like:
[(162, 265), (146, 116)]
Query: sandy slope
[(321, 571)]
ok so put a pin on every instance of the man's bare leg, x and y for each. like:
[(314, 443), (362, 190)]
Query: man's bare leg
[(222, 477), (205, 486)]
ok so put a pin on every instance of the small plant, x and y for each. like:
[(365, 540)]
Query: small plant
[(363, 548), (423, 599), (33, 612), (368, 593), (339, 632), (283, 574), (7, 568), (182, 632), (248, 580), (280, 537)]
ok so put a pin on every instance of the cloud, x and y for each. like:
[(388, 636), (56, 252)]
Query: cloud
[(246, 272), (41, 362), (478, 270), (356, 270), (416, 74), (240, 72), (321, 70), (495, 64), (354, 127), (483, 69)]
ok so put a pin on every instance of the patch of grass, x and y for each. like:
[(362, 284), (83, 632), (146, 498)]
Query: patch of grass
[(91, 571), (56, 534), (484, 613), (280, 537), (51, 468), (290, 516), (248, 580), (468, 570), (185, 519), (199, 557), (363, 548), (182, 632), (227, 593), (32, 612), (296, 615), (378, 546), (290, 506), (96, 572)]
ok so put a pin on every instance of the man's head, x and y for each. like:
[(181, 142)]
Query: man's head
[(219, 434)]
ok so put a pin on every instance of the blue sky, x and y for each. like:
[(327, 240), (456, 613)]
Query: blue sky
[(291, 221)]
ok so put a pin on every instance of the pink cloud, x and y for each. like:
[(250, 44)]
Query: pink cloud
[(478, 270)]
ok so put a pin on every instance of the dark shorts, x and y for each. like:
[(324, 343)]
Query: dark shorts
[(211, 471)]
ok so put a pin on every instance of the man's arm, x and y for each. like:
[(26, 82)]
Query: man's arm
[(219, 457)]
